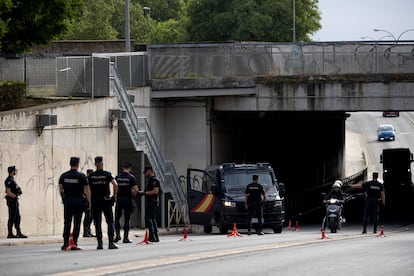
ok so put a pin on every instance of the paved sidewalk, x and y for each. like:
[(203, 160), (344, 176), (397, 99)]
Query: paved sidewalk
[(354, 153), (135, 235)]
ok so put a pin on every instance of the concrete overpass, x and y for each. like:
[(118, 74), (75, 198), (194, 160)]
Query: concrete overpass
[(282, 103)]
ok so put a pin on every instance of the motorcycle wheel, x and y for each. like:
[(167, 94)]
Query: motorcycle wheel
[(332, 225)]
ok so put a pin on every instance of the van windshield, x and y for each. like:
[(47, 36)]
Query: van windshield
[(237, 181)]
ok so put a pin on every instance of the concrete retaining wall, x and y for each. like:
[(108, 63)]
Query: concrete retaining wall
[(83, 129)]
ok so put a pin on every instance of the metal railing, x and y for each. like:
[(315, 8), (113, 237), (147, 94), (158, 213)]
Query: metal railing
[(261, 59), (143, 140)]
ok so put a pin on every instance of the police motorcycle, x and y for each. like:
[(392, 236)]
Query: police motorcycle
[(333, 215), (333, 219)]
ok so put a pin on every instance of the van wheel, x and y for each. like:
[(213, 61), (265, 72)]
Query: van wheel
[(277, 229), (208, 229)]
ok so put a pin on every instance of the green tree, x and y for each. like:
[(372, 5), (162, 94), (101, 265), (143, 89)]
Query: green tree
[(93, 21), (26, 23), (141, 25), (170, 31), (163, 10), (5, 6), (251, 20)]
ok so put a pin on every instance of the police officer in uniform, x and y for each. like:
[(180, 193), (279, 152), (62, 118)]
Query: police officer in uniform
[(102, 201), (13, 191), (73, 187), (254, 196), (151, 203), (375, 193), (127, 187), (87, 219)]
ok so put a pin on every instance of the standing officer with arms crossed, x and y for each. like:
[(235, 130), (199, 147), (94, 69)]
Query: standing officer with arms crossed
[(13, 191), (102, 201), (151, 203), (127, 187), (73, 186), (254, 196), (375, 193)]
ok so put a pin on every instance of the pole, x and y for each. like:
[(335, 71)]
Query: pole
[(127, 28), (294, 22)]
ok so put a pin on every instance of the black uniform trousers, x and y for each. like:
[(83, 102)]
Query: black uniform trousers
[(123, 205), (104, 206), (87, 221), (254, 208), (150, 218), (73, 208), (14, 215), (371, 210)]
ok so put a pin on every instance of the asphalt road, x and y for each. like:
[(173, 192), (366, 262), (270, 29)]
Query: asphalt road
[(390, 255), (366, 123)]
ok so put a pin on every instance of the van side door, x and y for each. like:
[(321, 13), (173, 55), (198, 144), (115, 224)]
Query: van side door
[(201, 198)]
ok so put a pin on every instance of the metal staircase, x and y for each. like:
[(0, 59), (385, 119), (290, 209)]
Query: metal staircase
[(143, 140)]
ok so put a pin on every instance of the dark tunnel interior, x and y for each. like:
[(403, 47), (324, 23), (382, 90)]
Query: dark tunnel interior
[(304, 148)]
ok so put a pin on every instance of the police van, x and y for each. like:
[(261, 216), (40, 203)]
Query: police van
[(216, 196)]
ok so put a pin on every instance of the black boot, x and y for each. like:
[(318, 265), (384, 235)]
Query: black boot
[(21, 235), (100, 245), (126, 240), (112, 246), (151, 237), (156, 237), (87, 233), (118, 237)]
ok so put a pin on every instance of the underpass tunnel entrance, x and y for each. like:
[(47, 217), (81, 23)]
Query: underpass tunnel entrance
[(305, 149)]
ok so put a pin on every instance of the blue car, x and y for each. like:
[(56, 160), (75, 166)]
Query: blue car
[(386, 133)]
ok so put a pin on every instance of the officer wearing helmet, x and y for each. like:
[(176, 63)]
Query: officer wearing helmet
[(336, 192)]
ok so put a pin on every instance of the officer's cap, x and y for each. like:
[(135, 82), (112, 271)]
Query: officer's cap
[(74, 161), (147, 168), (98, 159), (11, 169)]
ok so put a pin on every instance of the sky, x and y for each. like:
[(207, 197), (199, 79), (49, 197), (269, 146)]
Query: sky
[(349, 20)]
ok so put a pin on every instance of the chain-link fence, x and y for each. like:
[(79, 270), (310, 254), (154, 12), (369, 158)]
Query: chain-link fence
[(79, 76), (75, 76), (279, 59)]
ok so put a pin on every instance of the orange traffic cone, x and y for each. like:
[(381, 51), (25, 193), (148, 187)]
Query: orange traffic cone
[(185, 238), (289, 225), (71, 242), (323, 234), (234, 233), (72, 245), (381, 234), (146, 241)]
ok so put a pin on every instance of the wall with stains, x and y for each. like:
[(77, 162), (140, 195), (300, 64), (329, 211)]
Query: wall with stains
[(83, 129)]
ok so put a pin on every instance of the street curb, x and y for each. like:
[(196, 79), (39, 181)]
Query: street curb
[(37, 240)]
